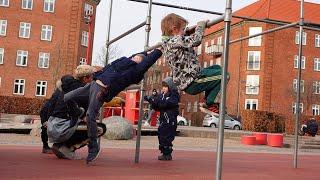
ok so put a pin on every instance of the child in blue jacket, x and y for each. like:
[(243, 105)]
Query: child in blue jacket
[(168, 105)]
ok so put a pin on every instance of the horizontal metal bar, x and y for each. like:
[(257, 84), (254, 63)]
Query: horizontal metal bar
[(178, 7), (126, 33), (265, 32), (210, 12)]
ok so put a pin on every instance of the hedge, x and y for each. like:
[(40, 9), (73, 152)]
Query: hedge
[(21, 105), (262, 121)]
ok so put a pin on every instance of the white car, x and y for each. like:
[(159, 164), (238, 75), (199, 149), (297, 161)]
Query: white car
[(182, 121), (213, 121)]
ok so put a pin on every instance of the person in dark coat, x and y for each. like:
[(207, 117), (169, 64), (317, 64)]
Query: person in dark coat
[(310, 128), (168, 105), (83, 75), (108, 83)]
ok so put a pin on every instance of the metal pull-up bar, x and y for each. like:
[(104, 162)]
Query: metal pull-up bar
[(126, 33)]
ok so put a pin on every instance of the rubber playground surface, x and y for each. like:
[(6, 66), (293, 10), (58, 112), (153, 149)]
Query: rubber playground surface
[(26, 162)]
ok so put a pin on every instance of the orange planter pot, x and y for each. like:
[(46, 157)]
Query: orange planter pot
[(261, 138), (275, 140), (248, 140)]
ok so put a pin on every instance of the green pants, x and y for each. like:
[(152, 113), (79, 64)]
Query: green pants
[(208, 81)]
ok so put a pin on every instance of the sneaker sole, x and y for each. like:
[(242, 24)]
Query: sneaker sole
[(88, 162)]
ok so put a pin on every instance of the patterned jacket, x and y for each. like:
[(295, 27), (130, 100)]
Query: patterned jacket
[(182, 59)]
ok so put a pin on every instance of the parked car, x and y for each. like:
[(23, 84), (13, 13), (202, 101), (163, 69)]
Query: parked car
[(213, 121), (182, 121)]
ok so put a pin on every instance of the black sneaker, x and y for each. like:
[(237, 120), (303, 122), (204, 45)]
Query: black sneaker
[(56, 151), (163, 157), (93, 150), (47, 150)]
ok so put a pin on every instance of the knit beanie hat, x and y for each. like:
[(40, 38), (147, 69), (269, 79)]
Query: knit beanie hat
[(83, 70)]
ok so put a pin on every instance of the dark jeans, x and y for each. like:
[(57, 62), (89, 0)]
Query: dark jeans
[(166, 135), (95, 93), (44, 135)]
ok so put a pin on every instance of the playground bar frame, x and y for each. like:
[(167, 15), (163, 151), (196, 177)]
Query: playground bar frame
[(226, 17)]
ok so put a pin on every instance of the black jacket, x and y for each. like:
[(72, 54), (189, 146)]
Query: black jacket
[(68, 83), (167, 104), (47, 109)]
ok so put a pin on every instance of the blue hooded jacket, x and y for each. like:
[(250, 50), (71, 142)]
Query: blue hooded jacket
[(130, 74)]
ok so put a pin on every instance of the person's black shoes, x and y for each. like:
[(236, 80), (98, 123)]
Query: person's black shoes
[(47, 150), (163, 157), (93, 150)]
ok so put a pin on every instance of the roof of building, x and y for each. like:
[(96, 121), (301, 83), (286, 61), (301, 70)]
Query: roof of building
[(278, 10)]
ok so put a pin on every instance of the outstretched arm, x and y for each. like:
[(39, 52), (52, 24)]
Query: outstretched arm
[(148, 61)]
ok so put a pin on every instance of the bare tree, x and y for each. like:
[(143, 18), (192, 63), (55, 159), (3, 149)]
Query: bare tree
[(114, 52)]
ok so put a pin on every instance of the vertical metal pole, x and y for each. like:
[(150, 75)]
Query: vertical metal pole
[(108, 31), (222, 109), (107, 55), (296, 144), (146, 46)]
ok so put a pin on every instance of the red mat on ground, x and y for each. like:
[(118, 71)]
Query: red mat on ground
[(23, 162)]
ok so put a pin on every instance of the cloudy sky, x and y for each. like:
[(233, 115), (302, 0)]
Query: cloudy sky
[(126, 14)]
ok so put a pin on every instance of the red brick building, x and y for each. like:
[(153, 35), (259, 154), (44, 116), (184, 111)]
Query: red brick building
[(40, 40), (264, 69)]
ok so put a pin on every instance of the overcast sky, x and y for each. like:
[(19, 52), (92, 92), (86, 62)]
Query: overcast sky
[(126, 14)]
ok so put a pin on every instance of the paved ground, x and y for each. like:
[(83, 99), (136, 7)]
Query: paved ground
[(25, 162), (194, 158)]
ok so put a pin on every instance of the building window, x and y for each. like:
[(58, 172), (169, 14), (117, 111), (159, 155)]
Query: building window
[(44, 59), (253, 60), (3, 27), (251, 104), (317, 40), (256, 41), (27, 4), (22, 58), (4, 3), (316, 64), (41, 88), (295, 85), (48, 5), (84, 38), (188, 106), (83, 61), (1, 55), (205, 64), (304, 38), (19, 85), (316, 87), (303, 62), (219, 40), (294, 105), (315, 110), (46, 32), (24, 31), (195, 106), (199, 49), (211, 62), (88, 9), (252, 84)]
